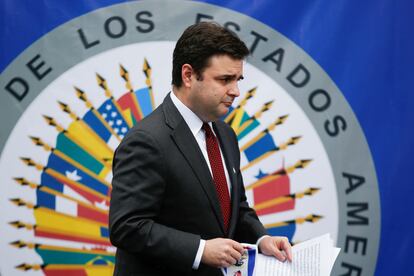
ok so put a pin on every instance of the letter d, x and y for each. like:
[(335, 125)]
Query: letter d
[(18, 87)]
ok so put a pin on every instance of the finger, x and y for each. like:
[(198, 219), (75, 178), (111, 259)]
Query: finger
[(228, 261), (289, 255), (225, 264), (288, 251), (238, 246), (287, 248), (235, 255), (229, 256), (279, 255)]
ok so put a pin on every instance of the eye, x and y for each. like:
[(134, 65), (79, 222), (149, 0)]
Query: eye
[(227, 80)]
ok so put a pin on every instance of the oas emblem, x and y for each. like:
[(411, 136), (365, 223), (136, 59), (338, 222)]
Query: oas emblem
[(306, 165)]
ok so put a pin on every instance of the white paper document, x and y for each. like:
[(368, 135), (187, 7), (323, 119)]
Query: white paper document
[(314, 257)]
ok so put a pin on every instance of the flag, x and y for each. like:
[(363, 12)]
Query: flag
[(260, 147), (70, 207), (80, 155), (271, 190), (89, 140), (144, 98), (97, 126), (71, 227), (114, 119), (77, 174), (72, 256)]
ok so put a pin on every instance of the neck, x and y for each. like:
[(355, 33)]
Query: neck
[(182, 94)]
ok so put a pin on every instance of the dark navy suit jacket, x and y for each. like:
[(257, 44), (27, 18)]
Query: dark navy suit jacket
[(164, 201)]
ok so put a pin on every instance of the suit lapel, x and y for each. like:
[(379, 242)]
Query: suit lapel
[(188, 146)]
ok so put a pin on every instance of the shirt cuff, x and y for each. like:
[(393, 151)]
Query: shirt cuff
[(259, 240), (199, 254)]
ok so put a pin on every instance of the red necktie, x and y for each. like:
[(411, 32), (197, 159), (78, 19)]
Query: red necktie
[(219, 177)]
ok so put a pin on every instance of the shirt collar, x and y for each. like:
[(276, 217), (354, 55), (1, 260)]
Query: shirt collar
[(192, 120)]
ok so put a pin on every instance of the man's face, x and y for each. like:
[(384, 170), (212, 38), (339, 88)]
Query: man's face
[(214, 91)]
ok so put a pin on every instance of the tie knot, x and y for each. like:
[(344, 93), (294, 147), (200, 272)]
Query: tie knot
[(207, 129)]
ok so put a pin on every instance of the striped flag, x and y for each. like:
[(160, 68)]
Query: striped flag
[(89, 140), (69, 207), (272, 189), (286, 230), (243, 123), (70, 226), (99, 128), (260, 147), (95, 268), (136, 105), (288, 227), (64, 167), (65, 255), (80, 155), (144, 99), (69, 187)]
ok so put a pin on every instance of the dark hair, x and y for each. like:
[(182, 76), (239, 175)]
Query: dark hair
[(201, 41)]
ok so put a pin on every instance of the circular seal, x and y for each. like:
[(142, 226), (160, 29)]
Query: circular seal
[(306, 165)]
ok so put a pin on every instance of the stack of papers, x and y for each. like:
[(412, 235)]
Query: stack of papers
[(312, 257)]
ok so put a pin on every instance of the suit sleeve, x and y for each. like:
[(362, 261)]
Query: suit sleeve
[(138, 188)]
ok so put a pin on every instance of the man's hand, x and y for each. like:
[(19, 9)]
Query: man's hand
[(276, 246), (221, 252)]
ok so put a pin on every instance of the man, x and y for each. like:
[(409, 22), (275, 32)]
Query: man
[(178, 203)]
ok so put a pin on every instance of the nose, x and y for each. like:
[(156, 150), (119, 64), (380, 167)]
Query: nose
[(234, 90)]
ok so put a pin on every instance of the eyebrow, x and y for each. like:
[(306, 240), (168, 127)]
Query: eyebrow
[(231, 77)]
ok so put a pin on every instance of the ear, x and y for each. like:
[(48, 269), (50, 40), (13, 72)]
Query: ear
[(187, 74)]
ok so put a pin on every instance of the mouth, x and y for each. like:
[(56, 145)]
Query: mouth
[(227, 104)]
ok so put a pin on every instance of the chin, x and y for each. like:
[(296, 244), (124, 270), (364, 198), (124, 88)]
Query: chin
[(223, 112)]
